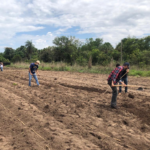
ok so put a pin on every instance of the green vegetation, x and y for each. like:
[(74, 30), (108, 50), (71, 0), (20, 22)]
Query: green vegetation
[(16, 58), (139, 73), (14, 84), (72, 51), (93, 56), (3, 59), (135, 71)]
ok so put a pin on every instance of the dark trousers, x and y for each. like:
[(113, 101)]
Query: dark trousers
[(114, 95), (125, 80)]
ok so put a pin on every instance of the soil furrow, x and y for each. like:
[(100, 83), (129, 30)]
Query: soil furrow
[(74, 114)]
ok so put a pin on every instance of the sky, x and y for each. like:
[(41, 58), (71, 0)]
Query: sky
[(40, 21)]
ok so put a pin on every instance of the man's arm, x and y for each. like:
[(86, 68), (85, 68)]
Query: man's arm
[(30, 71), (112, 83), (37, 72), (122, 83)]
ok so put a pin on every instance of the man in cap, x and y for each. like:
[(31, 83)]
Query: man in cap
[(113, 79), (33, 69), (124, 78)]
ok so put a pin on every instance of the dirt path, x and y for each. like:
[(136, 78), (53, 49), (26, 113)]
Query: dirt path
[(70, 112)]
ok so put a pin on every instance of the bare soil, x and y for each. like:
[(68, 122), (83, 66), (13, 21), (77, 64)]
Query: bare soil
[(71, 111)]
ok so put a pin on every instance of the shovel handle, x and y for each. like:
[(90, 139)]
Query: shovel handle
[(127, 85), (123, 75)]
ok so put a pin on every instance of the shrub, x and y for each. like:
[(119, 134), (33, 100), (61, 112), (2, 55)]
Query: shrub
[(16, 58), (81, 61)]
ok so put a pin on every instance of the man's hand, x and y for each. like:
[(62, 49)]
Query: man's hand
[(127, 70), (123, 84), (112, 84)]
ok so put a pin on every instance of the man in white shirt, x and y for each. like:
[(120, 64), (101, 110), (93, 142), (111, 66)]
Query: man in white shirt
[(1, 65)]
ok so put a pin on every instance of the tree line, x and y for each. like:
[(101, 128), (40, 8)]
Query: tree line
[(72, 50)]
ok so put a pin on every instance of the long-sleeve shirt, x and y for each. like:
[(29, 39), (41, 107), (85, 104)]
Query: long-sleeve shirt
[(115, 75), (124, 72)]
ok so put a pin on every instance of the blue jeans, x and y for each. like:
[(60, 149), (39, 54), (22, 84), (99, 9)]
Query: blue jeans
[(125, 80), (114, 95), (35, 77), (1, 68)]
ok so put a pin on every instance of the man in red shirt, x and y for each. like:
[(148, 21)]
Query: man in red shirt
[(113, 79)]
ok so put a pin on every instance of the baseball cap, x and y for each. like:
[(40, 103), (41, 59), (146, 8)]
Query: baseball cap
[(38, 61), (126, 64)]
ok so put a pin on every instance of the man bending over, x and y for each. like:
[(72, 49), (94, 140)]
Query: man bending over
[(33, 69), (113, 79)]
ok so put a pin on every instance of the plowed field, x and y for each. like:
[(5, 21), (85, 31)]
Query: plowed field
[(71, 111)]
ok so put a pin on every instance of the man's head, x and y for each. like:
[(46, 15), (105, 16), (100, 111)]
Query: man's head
[(126, 65), (37, 62), (117, 65)]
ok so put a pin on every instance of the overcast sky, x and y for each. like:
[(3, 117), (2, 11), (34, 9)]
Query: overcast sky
[(42, 20)]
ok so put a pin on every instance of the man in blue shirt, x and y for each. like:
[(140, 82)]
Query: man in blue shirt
[(33, 69)]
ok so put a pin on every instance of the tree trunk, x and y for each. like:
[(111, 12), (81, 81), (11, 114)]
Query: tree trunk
[(90, 63)]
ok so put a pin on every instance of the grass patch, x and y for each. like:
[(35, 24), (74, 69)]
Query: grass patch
[(139, 73), (14, 84), (134, 71)]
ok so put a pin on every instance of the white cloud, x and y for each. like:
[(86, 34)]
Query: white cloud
[(110, 20), (39, 41), (60, 31), (49, 33)]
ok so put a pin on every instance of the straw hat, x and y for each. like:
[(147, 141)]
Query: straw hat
[(38, 61)]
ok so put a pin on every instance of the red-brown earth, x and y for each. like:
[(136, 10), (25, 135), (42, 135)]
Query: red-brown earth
[(71, 111)]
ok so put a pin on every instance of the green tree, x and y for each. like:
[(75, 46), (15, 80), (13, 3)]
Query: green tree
[(93, 44), (21, 51), (146, 41), (94, 53), (47, 54), (16, 58), (103, 58), (29, 49), (2, 59), (106, 47), (116, 55), (129, 45), (66, 49), (34, 55), (9, 53)]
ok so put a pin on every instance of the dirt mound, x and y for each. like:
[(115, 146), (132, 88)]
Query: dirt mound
[(46, 108), (89, 89), (131, 95), (142, 113)]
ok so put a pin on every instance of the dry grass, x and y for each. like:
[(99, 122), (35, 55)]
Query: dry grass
[(60, 66)]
